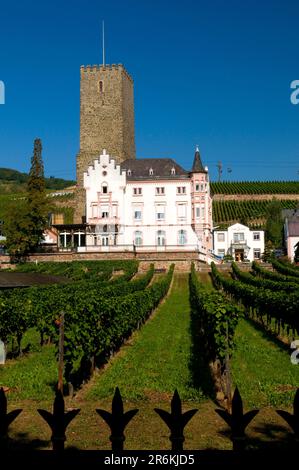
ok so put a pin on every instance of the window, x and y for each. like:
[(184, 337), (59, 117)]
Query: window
[(138, 238), (220, 237), (221, 252), (104, 188), (239, 237), (137, 191), (181, 190), (182, 237), (197, 186), (173, 171), (257, 253), (160, 191), (94, 210), (160, 212), (101, 86), (256, 235), (161, 241), (129, 172), (105, 215), (137, 214), (151, 172), (114, 210), (182, 211), (202, 187), (197, 212)]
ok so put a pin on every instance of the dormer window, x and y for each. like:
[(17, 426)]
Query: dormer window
[(173, 171), (151, 172), (129, 172)]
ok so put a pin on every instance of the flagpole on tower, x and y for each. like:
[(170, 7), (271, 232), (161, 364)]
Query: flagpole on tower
[(103, 41)]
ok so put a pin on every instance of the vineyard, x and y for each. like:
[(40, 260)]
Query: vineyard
[(210, 333), (254, 211), (255, 187), (98, 313)]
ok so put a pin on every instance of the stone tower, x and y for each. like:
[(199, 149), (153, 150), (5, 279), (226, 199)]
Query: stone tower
[(106, 120)]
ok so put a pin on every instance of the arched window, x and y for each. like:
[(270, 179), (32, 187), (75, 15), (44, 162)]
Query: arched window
[(129, 172), (151, 172), (101, 86), (138, 238), (161, 238), (104, 188), (182, 237)]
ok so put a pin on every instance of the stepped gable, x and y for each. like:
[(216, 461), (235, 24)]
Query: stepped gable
[(152, 169)]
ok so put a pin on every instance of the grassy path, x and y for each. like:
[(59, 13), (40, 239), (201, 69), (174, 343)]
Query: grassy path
[(157, 359), (33, 375), (262, 368)]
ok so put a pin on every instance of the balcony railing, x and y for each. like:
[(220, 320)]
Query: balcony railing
[(137, 248), (103, 220)]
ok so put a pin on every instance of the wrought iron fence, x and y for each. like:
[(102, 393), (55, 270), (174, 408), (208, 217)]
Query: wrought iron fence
[(118, 419)]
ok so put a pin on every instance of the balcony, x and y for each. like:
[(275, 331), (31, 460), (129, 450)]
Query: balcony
[(239, 244), (104, 220)]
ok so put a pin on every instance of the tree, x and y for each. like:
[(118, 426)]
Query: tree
[(26, 219), (37, 199), (274, 223)]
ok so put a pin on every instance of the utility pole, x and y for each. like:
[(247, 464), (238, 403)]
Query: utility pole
[(219, 166)]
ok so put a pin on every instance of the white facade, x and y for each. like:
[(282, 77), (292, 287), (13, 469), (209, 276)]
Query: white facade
[(240, 242), (159, 212)]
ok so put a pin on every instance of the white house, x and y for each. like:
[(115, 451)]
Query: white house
[(291, 231), (144, 205), (240, 242)]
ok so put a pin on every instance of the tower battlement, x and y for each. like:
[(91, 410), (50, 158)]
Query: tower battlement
[(98, 68)]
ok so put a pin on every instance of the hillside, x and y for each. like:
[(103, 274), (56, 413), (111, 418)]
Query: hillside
[(269, 188), (13, 181), (247, 201)]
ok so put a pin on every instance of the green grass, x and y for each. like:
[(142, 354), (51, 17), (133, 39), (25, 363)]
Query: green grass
[(262, 369), (33, 375), (157, 359)]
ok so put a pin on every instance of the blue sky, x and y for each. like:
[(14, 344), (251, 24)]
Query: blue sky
[(214, 73)]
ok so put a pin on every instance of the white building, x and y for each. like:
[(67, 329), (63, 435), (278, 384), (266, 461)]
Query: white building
[(240, 242), (291, 231), (146, 204)]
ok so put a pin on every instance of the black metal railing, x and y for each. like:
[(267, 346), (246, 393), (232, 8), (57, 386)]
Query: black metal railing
[(118, 419)]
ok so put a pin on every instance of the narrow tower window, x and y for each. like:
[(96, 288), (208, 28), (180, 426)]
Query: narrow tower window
[(101, 86)]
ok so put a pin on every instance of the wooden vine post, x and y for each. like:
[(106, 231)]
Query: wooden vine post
[(228, 374), (61, 353)]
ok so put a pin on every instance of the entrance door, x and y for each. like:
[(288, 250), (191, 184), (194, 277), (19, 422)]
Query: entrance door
[(105, 241), (239, 255)]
